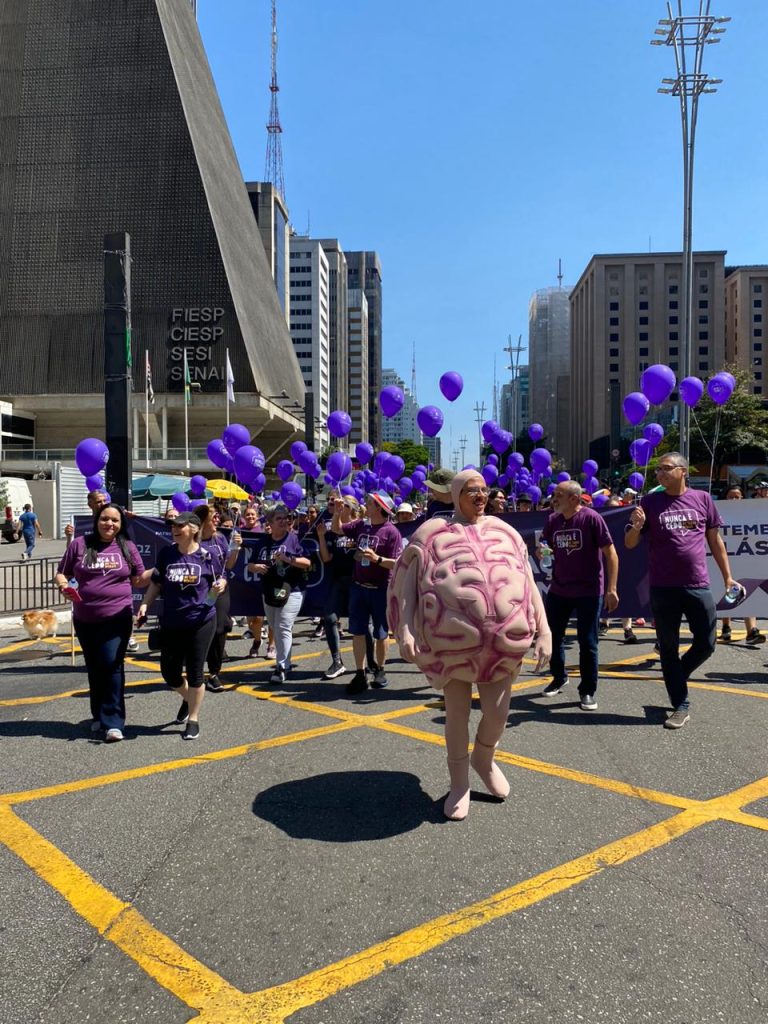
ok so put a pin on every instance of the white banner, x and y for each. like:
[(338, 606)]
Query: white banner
[(746, 540)]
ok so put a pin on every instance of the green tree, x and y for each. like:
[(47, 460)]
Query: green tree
[(412, 454)]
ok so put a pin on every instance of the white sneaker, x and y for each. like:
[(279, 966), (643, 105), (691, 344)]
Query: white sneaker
[(113, 736), (271, 652), (133, 646)]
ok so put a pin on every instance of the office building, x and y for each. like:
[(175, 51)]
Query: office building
[(364, 271), (271, 215), (338, 344), (625, 316), (358, 334), (549, 360), (514, 412), (403, 426), (746, 301), (434, 449), (310, 329)]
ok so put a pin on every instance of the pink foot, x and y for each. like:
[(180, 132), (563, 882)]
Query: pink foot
[(492, 776)]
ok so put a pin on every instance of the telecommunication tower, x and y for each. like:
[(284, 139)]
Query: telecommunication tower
[(413, 374), (273, 167)]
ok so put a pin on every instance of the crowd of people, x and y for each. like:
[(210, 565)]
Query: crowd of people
[(458, 595)]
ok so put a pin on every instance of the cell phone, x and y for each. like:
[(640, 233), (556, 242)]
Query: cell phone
[(140, 620), (72, 593)]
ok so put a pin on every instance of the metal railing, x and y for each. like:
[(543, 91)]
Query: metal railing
[(29, 586), (67, 455)]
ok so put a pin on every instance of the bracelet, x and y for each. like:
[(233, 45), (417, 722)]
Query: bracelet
[(379, 560)]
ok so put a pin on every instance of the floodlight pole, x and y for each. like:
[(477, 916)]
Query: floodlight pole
[(688, 34), (514, 366)]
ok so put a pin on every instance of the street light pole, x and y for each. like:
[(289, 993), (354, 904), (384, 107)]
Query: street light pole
[(514, 365), (688, 35), (479, 419)]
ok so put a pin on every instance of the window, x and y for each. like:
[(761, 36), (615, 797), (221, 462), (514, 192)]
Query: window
[(758, 346), (642, 320), (673, 366), (757, 287), (614, 352), (673, 289), (758, 332), (643, 289), (613, 367), (703, 365), (643, 366), (758, 318), (643, 305), (673, 350), (673, 320), (704, 319), (643, 352), (757, 303), (673, 303), (673, 337), (613, 277), (703, 350), (703, 335), (643, 336), (613, 305), (613, 291), (613, 337), (614, 321), (703, 289), (703, 303), (702, 273), (759, 375)]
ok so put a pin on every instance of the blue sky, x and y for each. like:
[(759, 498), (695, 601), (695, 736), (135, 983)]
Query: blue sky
[(472, 145)]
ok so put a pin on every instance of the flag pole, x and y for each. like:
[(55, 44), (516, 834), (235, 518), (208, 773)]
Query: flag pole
[(186, 410), (146, 406), (228, 385)]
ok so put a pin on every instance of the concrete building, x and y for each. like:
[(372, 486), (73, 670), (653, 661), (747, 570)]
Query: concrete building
[(434, 449), (364, 271), (514, 411), (625, 316), (272, 217), (110, 121), (403, 426), (310, 326), (358, 333), (746, 302), (337, 318), (549, 355)]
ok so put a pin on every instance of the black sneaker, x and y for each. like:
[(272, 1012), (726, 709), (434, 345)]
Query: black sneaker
[(213, 684), (588, 702), (358, 684), (725, 634), (255, 648), (754, 636), (335, 670), (630, 636), (183, 714), (379, 681), (191, 732), (554, 687), (602, 629), (278, 677), (319, 632)]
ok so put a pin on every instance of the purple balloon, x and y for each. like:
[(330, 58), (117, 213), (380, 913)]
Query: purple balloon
[(217, 453), (657, 383), (719, 389), (493, 459), (599, 500), (562, 477), (248, 461), (95, 482), (635, 407), (729, 377), (534, 493), (339, 466), (198, 485), (653, 432), (691, 390), (589, 467), (503, 481), (535, 431), (91, 456), (500, 441), (296, 449), (291, 494), (235, 436), (307, 462), (398, 500), (488, 429), (451, 385), (540, 458), (551, 490), (430, 420), (363, 452), (180, 502), (405, 485), (284, 469), (196, 503), (347, 491), (636, 481), (391, 400), (339, 423), (591, 484), (641, 451), (394, 467), (490, 474), (516, 459), (258, 482)]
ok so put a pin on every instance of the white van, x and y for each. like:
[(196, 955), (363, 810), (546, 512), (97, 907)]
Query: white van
[(14, 493)]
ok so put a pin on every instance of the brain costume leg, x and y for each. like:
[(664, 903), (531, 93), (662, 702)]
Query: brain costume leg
[(494, 700), (458, 703)]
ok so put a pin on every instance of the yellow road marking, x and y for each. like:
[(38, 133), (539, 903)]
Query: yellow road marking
[(19, 645)]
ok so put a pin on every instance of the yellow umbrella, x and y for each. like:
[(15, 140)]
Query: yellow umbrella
[(227, 490)]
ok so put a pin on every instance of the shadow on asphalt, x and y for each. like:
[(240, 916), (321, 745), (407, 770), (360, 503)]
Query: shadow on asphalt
[(72, 731), (348, 807), (757, 675)]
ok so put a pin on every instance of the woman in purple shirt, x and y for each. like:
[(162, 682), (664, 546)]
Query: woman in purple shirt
[(104, 565)]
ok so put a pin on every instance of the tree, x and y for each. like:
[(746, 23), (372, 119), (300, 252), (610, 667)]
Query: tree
[(412, 454)]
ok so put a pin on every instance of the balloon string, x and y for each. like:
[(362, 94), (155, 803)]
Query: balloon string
[(714, 447), (701, 432)]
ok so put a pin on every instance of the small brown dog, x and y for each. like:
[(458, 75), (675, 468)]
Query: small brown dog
[(40, 624)]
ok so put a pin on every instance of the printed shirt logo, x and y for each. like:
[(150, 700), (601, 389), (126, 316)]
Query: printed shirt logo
[(684, 519), (105, 563), (567, 540), (184, 574), (365, 540)]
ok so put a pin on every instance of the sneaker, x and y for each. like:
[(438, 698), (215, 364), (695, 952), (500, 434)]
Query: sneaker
[(677, 719), (319, 632), (95, 725), (602, 629), (358, 684), (271, 652), (640, 622), (183, 713), (754, 636), (23, 556), (265, 632), (554, 687), (133, 646), (247, 634), (379, 680), (113, 736), (192, 731), (335, 670), (278, 677), (255, 648), (588, 702), (213, 684), (657, 648), (629, 636), (725, 634)]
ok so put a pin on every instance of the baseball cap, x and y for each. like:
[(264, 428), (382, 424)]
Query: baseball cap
[(404, 506), (383, 500), (761, 483), (439, 480), (629, 490), (525, 499), (187, 519)]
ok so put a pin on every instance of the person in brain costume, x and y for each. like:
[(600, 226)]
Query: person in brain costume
[(464, 607)]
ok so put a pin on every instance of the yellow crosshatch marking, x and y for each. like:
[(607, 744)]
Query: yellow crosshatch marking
[(218, 1002)]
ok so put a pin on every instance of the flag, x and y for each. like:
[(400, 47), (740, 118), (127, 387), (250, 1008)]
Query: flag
[(187, 381), (150, 389), (230, 381)]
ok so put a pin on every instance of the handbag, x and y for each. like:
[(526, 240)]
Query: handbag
[(276, 593)]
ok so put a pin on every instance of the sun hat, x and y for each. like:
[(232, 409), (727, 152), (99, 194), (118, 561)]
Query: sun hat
[(439, 480), (383, 500)]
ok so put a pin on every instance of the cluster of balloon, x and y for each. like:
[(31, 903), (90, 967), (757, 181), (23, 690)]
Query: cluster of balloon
[(234, 453), (91, 456)]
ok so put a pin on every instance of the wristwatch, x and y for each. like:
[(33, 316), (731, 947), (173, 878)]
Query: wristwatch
[(378, 560)]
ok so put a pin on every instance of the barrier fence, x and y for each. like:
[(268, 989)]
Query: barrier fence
[(29, 586)]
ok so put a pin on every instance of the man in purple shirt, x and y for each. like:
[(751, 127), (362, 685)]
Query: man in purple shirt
[(679, 524), (580, 541)]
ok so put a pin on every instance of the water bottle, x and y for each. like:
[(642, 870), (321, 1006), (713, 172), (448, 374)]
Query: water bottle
[(235, 543), (734, 593), (212, 595), (545, 555), (364, 541)]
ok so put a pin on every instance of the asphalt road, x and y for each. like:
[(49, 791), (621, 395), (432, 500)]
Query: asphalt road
[(293, 864)]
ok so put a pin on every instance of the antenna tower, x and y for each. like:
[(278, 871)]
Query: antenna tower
[(413, 374), (495, 393), (273, 167), (559, 273)]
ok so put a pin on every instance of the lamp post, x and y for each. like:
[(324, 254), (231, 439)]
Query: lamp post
[(688, 35), (514, 366)]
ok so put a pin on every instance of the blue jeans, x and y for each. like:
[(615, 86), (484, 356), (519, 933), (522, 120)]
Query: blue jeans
[(668, 605), (104, 644), (29, 537), (559, 610)]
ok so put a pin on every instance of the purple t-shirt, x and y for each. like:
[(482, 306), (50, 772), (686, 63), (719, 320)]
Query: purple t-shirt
[(576, 543), (264, 551), (105, 586), (383, 538), (676, 526), (185, 581)]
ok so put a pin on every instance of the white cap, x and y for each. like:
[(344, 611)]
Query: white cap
[(404, 507)]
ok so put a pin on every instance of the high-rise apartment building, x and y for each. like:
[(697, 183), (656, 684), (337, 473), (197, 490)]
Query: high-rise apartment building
[(403, 426), (625, 316), (549, 355), (271, 215), (434, 449), (309, 323), (358, 333), (337, 319), (746, 304), (364, 271)]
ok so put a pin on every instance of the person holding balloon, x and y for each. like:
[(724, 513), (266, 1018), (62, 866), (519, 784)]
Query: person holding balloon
[(227, 553)]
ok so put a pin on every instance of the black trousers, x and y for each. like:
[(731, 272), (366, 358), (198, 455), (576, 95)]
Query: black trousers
[(188, 648), (223, 626)]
